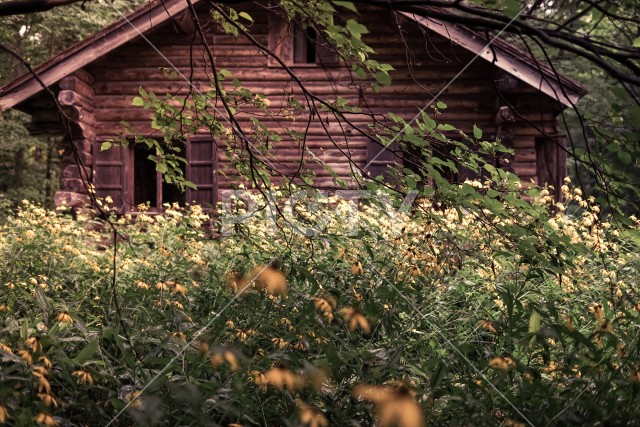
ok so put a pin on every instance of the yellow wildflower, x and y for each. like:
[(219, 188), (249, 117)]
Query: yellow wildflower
[(134, 397), (161, 286), (325, 306), (203, 348), (141, 285), (260, 378), (301, 344), (394, 403), (270, 280), (64, 317), (44, 360), (356, 268), (244, 335), (83, 376), (568, 322), (44, 386), (597, 311), (179, 337), (283, 378), (310, 416), (33, 344), (488, 325), (4, 414), (227, 356), (48, 400), (26, 356), (502, 363), (39, 371), (279, 342), (45, 419), (355, 319), (178, 289)]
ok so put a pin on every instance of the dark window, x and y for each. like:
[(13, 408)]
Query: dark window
[(304, 46), (130, 178), (145, 188), (148, 185)]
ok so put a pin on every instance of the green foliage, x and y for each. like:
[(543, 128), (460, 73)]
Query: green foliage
[(29, 165), (23, 165), (438, 300)]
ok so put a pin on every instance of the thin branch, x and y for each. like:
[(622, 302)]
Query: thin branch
[(20, 7)]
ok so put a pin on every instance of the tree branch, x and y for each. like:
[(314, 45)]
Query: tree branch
[(20, 7)]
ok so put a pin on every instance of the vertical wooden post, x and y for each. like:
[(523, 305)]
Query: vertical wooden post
[(551, 162), (505, 121)]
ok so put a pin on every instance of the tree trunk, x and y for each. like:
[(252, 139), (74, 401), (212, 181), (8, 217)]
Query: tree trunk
[(48, 199), (18, 167)]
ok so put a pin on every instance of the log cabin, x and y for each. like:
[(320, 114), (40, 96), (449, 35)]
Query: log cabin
[(501, 89)]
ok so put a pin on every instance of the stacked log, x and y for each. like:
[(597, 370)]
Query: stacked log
[(76, 99)]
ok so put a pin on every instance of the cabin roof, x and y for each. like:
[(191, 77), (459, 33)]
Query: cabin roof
[(510, 59)]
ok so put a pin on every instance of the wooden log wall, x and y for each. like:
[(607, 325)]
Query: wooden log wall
[(424, 63), (76, 98)]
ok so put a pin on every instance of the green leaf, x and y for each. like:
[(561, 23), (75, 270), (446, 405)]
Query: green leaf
[(117, 404), (41, 298), (383, 78), (356, 29), (477, 132), (346, 4), (446, 127), (438, 374), (441, 105), (534, 322), (137, 102), (625, 157), (246, 16), (429, 122), (87, 353), (636, 42), (511, 8), (161, 167), (105, 146)]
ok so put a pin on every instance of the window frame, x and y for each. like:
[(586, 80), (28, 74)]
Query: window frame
[(281, 38), (121, 185), (214, 161)]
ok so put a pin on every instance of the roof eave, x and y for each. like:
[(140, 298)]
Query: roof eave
[(89, 50), (560, 88)]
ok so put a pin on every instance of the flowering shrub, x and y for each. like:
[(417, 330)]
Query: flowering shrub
[(328, 313)]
